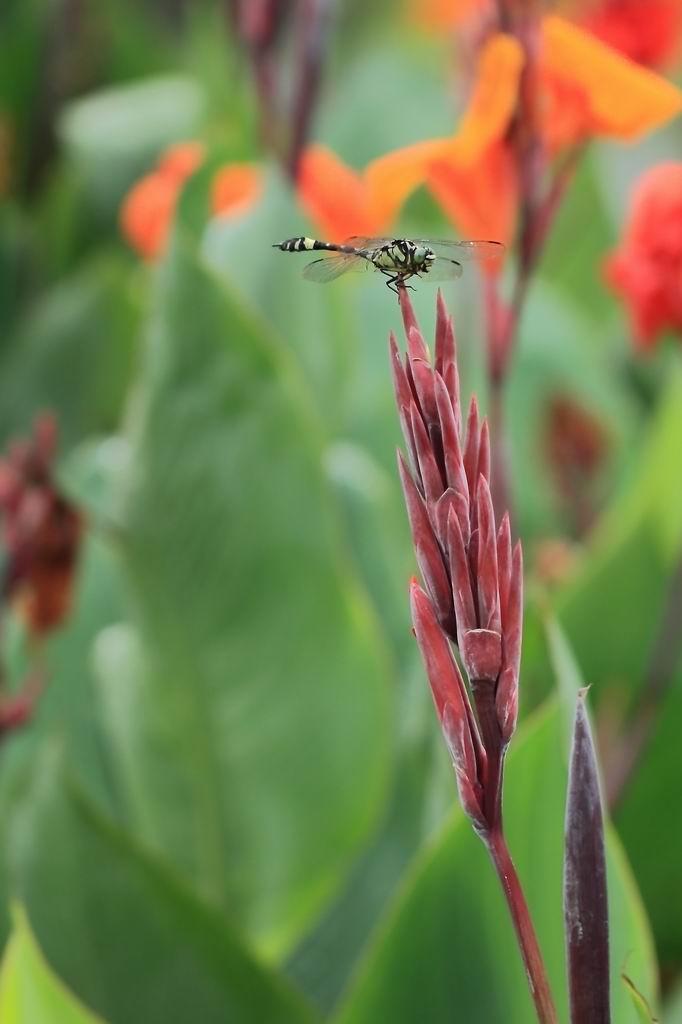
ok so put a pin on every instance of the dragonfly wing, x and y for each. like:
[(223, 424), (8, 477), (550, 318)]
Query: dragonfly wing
[(443, 269), (367, 242), (328, 268), (463, 250)]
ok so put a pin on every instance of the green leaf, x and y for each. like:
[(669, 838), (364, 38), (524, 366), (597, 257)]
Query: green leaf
[(254, 689), (579, 241), (447, 949), (73, 353), (120, 928), (611, 612), (673, 1007), (29, 991), (113, 136), (557, 357), (636, 540), (644, 1011)]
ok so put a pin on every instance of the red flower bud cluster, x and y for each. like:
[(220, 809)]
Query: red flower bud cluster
[(473, 578), (41, 534), (40, 531)]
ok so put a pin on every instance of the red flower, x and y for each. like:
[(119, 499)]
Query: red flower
[(646, 269), (647, 31)]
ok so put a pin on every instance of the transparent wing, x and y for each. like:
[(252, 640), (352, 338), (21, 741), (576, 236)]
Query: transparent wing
[(368, 242), (463, 250), (328, 268), (443, 269)]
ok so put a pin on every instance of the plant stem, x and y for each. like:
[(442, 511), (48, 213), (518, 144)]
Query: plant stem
[(315, 25), (484, 697), (538, 981), (503, 322)]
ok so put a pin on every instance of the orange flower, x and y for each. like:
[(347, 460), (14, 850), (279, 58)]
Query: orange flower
[(586, 89), (148, 209), (647, 31), (592, 90), (334, 196), (646, 269), (466, 172), (236, 188)]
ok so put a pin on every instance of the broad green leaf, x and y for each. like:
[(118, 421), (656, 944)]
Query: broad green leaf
[(29, 991), (21, 43), (557, 356), (72, 353), (447, 947), (644, 1012), (611, 612), (125, 934), (655, 492), (673, 1007), (113, 136), (421, 798), (635, 541), (578, 243), (652, 835), (250, 729)]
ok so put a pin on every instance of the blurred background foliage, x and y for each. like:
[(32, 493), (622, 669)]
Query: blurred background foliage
[(232, 802)]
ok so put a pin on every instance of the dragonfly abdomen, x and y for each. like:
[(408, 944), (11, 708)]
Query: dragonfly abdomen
[(303, 244)]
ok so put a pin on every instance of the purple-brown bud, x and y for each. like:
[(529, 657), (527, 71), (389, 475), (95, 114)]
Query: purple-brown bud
[(451, 701), (473, 579)]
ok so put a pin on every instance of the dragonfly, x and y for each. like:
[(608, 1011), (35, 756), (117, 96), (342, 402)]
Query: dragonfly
[(398, 259)]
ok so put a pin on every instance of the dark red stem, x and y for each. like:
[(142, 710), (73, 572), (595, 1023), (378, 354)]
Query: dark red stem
[(538, 981), (315, 20)]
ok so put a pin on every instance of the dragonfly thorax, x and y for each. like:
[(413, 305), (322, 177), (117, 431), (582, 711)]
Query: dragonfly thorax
[(402, 255)]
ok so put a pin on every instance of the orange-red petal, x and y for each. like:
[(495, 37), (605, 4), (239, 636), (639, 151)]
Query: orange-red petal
[(480, 200), (147, 212), (647, 31), (611, 95), (333, 195), (181, 160), (493, 100), (392, 178), (236, 187)]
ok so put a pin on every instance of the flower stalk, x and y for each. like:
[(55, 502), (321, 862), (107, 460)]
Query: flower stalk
[(472, 598)]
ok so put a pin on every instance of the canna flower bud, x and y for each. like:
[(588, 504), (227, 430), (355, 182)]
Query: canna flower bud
[(452, 704), (473, 577)]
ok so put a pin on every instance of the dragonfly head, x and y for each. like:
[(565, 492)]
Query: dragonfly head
[(424, 257)]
